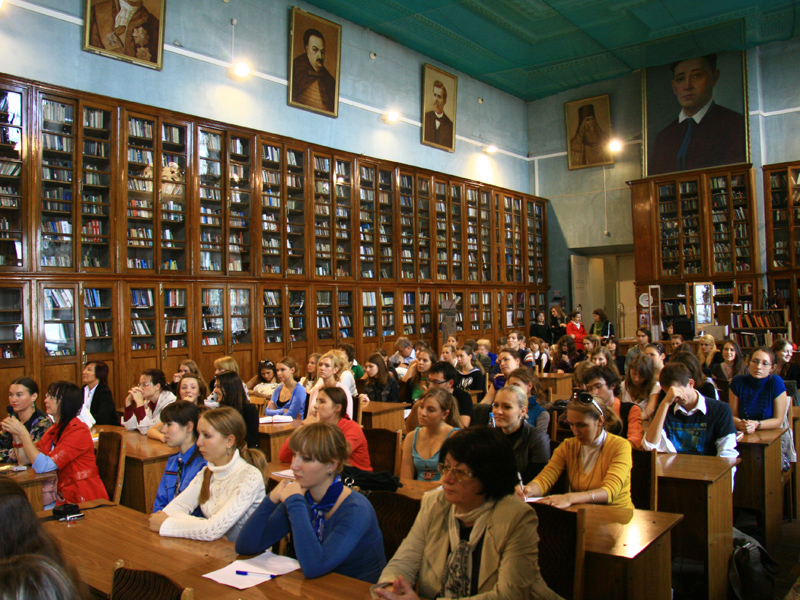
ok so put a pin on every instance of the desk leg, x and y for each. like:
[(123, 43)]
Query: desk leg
[(133, 486), (705, 533), (758, 487), (153, 472)]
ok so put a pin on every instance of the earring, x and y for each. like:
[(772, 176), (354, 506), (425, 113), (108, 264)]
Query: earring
[(330, 473), (229, 450)]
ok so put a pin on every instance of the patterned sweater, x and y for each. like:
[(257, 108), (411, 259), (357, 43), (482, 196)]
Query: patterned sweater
[(236, 490)]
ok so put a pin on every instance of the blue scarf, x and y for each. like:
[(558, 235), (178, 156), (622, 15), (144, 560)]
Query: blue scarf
[(318, 509)]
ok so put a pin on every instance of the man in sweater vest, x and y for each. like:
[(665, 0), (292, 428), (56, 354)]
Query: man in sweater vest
[(687, 422)]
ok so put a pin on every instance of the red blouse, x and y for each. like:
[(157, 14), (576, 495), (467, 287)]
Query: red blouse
[(359, 453)]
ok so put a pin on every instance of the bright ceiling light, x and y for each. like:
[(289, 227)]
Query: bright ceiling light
[(242, 69)]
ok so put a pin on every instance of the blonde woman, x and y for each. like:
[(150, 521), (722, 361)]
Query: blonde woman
[(227, 490), (329, 370), (708, 355), (311, 375)]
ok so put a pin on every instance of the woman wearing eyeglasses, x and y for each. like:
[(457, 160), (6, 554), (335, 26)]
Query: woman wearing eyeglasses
[(601, 383), (146, 400), (438, 418), (598, 463), (758, 401), (472, 537)]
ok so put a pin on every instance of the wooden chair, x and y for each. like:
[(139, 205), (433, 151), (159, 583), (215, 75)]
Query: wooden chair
[(130, 584), (259, 403), (110, 459), (361, 385), (561, 486), (644, 480), (385, 449), (476, 395), (561, 549), (396, 514)]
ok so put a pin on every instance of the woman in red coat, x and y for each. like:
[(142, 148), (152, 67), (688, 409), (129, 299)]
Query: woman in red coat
[(66, 446), (576, 330)]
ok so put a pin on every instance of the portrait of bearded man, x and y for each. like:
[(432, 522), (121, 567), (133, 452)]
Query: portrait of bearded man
[(589, 145)]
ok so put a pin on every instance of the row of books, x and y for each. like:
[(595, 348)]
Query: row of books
[(758, 320)]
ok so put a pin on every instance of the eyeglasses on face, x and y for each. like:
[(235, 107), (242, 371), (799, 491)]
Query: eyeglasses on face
[(460, 475), (755, 362), (437, 381), (596, 387)]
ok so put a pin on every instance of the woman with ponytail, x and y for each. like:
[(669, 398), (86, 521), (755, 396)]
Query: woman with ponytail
[(227, 490)]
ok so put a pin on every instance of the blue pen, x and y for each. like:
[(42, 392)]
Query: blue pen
[(268, 575)]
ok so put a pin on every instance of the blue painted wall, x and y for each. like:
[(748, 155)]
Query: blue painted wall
[(48, 49)]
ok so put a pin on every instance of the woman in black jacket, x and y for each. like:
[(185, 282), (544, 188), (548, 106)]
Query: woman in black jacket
[(95, 384)]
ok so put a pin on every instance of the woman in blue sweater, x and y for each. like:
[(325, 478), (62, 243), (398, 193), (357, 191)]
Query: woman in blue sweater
[(289, 397), (333, 529)]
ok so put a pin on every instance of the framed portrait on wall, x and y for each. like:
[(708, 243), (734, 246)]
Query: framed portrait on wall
[(695, 114), (439, 103), (589, 132), (314, 63), (133, 32)]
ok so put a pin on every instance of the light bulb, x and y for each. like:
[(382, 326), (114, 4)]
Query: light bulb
[(491, 149), (241, 69), (615, 145)]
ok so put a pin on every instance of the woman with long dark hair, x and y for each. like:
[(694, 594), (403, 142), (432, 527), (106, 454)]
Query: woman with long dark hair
[(733, 363), (231, 393), (66, 446), (380, 387), (97, 398), (22, 395)]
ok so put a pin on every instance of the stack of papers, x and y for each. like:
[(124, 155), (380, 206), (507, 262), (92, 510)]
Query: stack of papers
[(258, 569), (276, 419), (288, 473)]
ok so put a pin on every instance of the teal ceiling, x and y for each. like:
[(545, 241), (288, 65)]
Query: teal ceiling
[(536, 48)]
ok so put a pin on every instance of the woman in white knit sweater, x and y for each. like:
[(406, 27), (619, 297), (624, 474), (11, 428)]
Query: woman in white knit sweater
[(227, 490)]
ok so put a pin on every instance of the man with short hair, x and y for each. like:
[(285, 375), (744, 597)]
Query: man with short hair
[(444, 375), (312, 84), (438, 126), (687, 422), (525, 356), (704, 134), (404, 352)]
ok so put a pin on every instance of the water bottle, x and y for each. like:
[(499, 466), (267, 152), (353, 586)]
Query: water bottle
[(491, 419)]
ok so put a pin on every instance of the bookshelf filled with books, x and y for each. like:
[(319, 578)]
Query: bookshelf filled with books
[(334, 312), (755, 328), (13, 221), (146, 199), (514, 236), (782, 207)]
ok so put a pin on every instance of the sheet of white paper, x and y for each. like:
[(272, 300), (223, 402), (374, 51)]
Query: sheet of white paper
[(406, 412), (533, 499), (267, 564), (287, 473), (276, 419)]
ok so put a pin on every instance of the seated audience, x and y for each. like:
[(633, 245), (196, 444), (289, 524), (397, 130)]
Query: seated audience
[(656, 353), (404, 352), (470, 372), (180, 431), (380, 386), (416, 377), (98, 403), (350, 371), (598, 463), (619, 360), (707, 354), (705, 387), (733, 363), (641, 385), (515, 342), (289, 397), (601, 357), (187, 366), (643, 337), (311, 372), (342, 534), (230, 392), (36, 577), (507, 361), (687, 422), (227, 490), (675, 341), (784, 367), (145, 401), (484, 352), (192, 388), (472, 538), (564, 356), (528, 382), (758, 401), (329, 407), (329, 367), (590, 342), (540, 357), (438, 418), (389, 366), (22, 395), (531, 446), (263, 384), (448, 354), (66, 446), (601, 383), (443, 375)]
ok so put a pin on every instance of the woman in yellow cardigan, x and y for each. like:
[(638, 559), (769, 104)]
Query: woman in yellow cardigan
[(598, 463)]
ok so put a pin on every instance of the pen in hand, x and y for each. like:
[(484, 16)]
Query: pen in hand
[(521, 485)]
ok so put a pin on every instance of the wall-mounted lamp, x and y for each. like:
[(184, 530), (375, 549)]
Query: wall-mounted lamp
[(615, 145), (373, 55), (242, 69), (490, 149), (239, 68), (390, 117)]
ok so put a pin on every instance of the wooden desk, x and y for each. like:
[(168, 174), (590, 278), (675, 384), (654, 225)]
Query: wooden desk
[(796, 475), (699, 487), (145, 462), (559, 383), (86, 545), (629, 551), (411, 487), (271, 437), (758, 481), (31, 482), (384, 415)]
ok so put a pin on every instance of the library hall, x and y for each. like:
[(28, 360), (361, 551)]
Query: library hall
[(351, 299)]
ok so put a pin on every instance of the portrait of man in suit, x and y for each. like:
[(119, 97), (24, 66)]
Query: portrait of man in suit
[(438, 127), (705, 133), (314, 70), (128, 29)]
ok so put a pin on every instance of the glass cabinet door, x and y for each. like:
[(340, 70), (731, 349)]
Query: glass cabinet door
[(423, 210), (143, 328), (12, 323), (240, 194), (176, 322), (212, 307), (58, 175), (324, 315), (410, 314), (98, 166), (295, 212), (343, 221), (273, 316), (367, 221), (388, 328), (239, 302), (369, 312), (272, 219), (425, 316), (386, 228), (486, 308), (141, 209), (442, 249), (323, 257), (98, 320), (486, 236), (472, 235), (173, 203), (345, 310), (297, 316), (211, 201), (474, 323), (407, 253), (12, 217), (455, 228), (59, 321)]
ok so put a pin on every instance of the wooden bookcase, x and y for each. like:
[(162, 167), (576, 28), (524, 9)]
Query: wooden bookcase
[(188, 234)]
